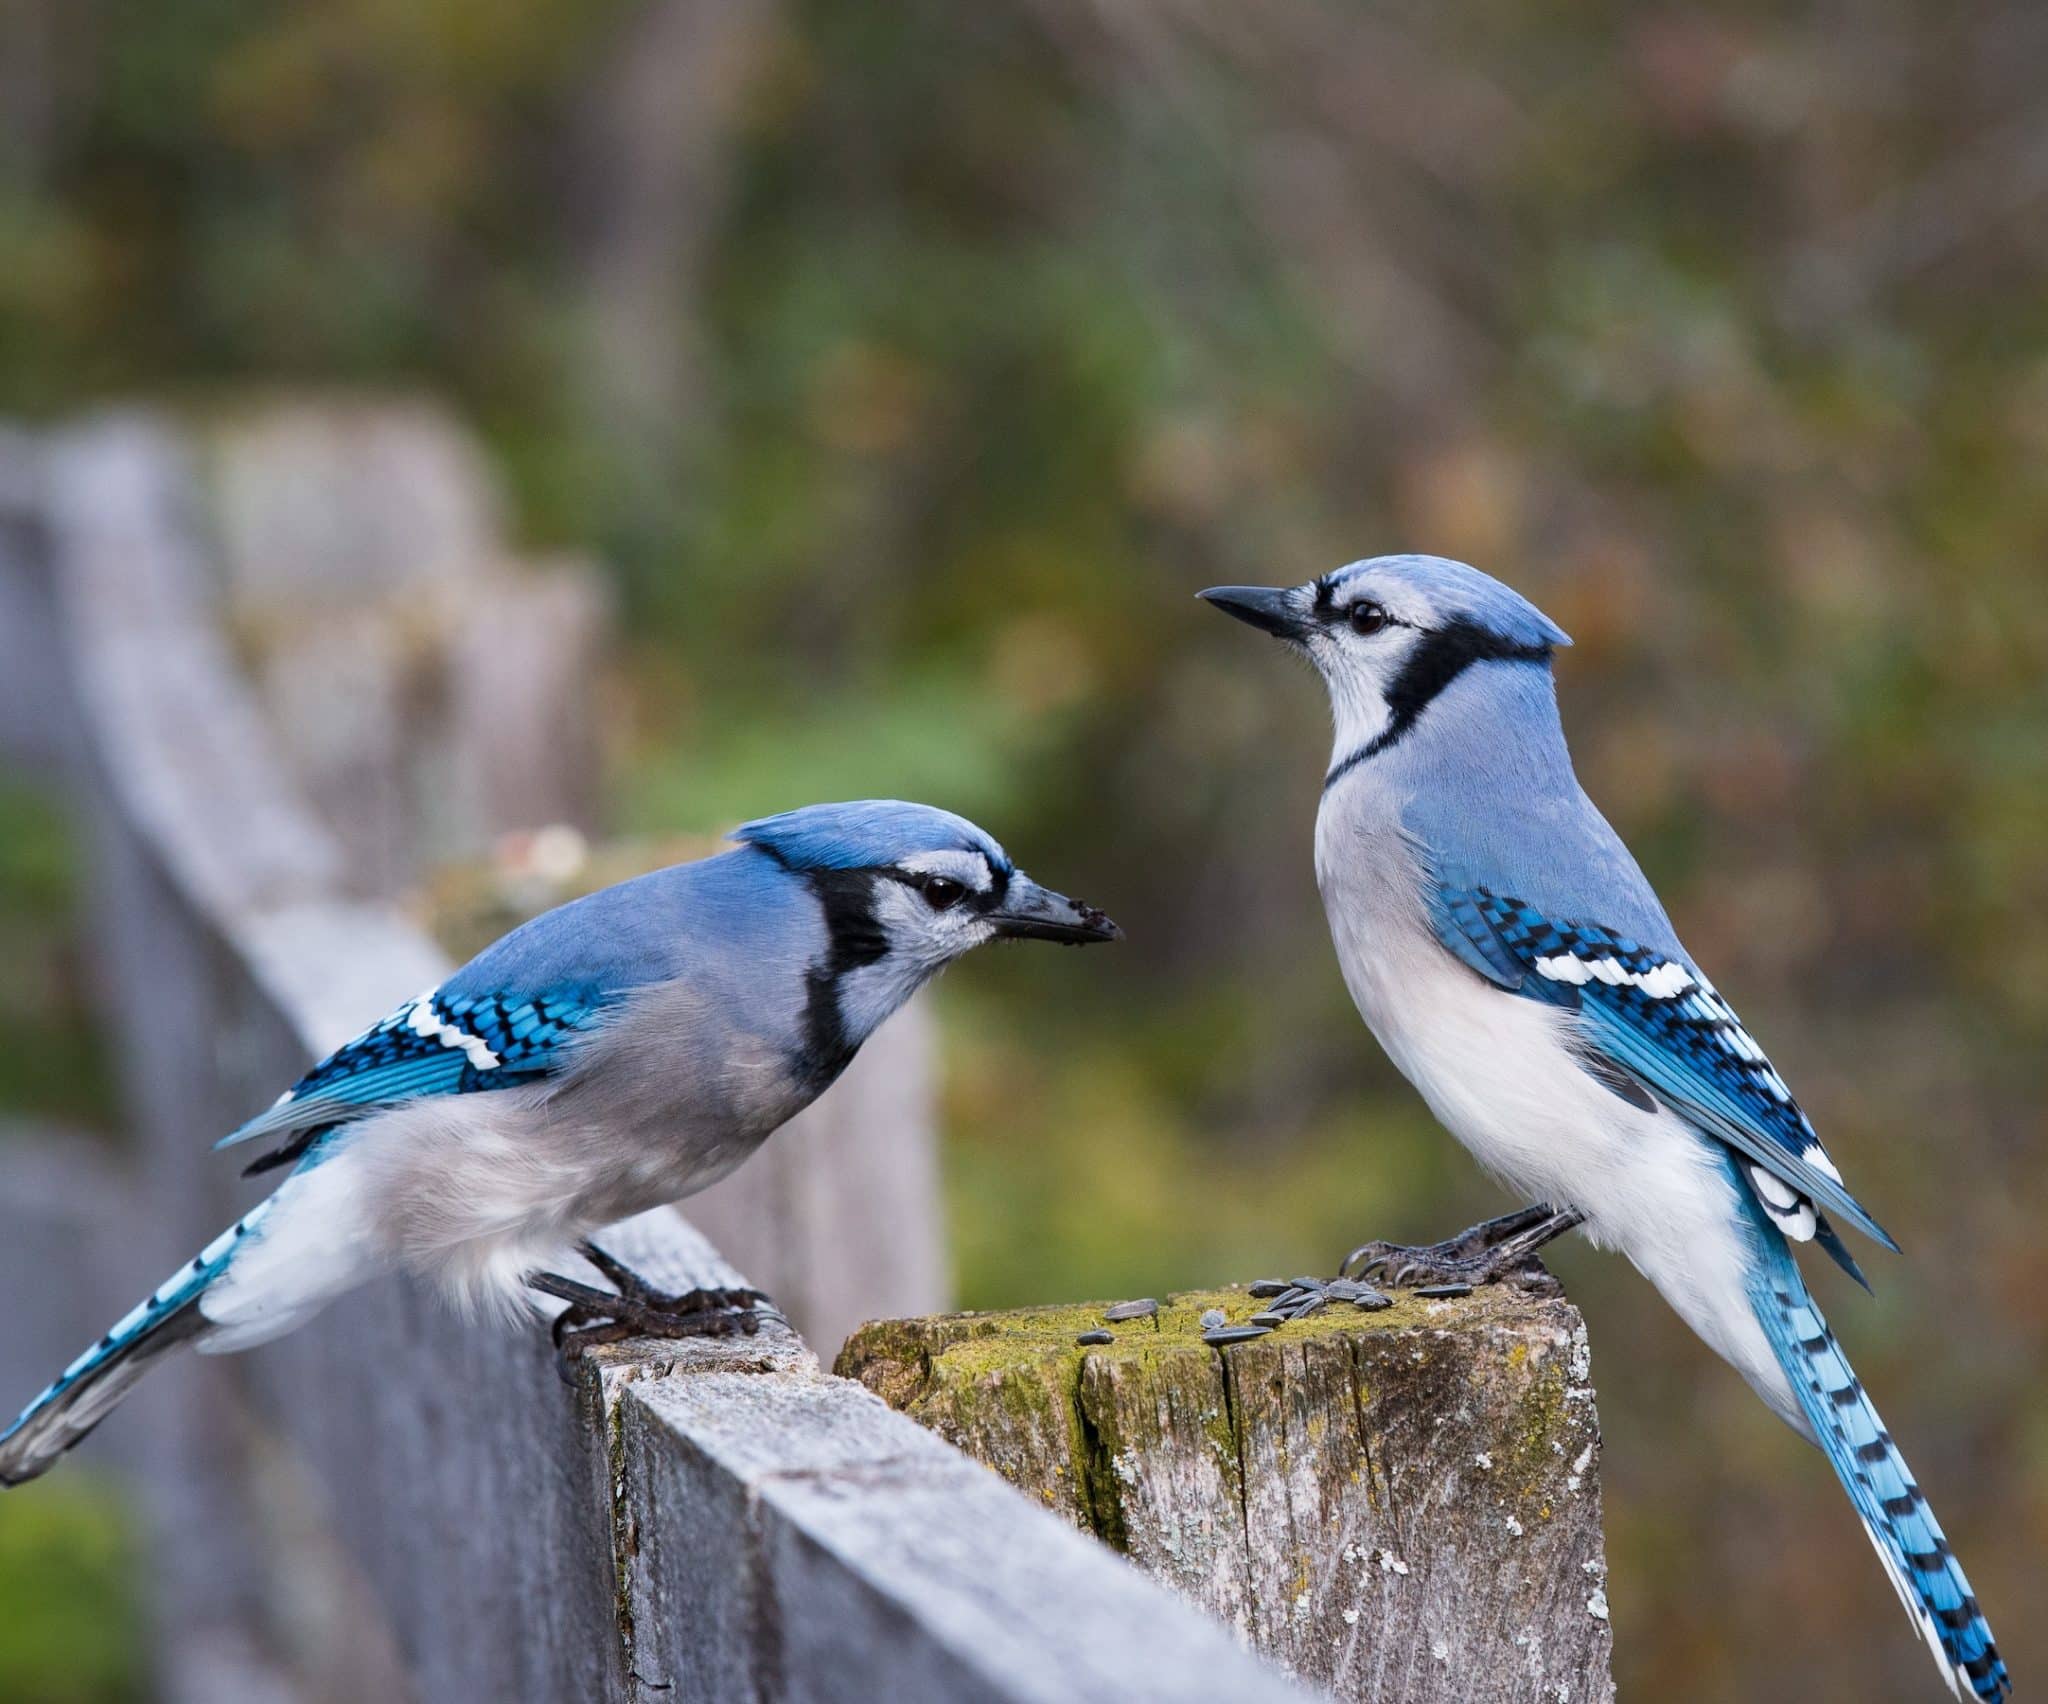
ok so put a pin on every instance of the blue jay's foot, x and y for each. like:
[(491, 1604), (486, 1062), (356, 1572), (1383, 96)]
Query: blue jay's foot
[(635, 1308), (1499, 1250)]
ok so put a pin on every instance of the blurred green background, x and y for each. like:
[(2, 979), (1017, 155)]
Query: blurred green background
[(910, 366)]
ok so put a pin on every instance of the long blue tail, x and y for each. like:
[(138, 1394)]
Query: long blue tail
[(87, 1390), (1902, 1528)]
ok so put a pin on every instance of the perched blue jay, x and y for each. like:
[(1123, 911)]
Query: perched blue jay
[(1514, 963), (624, 1050)]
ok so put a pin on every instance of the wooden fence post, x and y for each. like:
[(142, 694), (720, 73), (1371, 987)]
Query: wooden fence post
[(1402, 1504)]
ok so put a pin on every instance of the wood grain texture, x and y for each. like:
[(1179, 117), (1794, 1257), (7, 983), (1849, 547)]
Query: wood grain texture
[(782, 1534), (1395, 1506)]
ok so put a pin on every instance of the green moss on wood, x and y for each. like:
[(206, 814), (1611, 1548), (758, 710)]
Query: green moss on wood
[(1057, 1417), (1349, 1491)]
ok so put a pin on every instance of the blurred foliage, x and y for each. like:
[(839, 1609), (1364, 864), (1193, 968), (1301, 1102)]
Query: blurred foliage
[(71, 1630), (1003, 329), (52, 1067), (67, 1576)]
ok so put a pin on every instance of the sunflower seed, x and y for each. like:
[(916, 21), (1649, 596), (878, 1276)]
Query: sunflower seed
[(1268, 1287), (1212, 1319), (1223, 1334), (1268, 1319), (1096, 1337), (1130, 1310), (1438, 1291), (1372, 1301)]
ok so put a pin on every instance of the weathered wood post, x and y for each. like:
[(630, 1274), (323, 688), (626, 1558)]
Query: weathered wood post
[(1398, 1505)]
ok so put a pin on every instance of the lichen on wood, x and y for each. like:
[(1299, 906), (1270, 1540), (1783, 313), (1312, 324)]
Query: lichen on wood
[(1394, 1505)]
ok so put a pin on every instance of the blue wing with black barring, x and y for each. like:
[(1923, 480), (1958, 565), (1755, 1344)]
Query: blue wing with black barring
[(1661, 1020), (437, 1044), (522, 1008)]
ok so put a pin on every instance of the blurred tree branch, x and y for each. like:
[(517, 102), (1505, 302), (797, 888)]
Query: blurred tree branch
[(654, 124)]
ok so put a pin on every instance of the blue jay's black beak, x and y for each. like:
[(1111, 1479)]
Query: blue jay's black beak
[(1029, 912), (1268, 608)]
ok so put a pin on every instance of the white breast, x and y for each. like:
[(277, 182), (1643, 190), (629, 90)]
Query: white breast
[(1498, 1073), (1494, 1069)]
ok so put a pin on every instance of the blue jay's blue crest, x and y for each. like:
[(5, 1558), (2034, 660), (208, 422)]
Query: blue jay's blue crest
[(867, 834)]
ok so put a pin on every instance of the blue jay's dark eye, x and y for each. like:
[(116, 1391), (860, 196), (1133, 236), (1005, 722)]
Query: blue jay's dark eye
[(1367, 616), (941, 893)]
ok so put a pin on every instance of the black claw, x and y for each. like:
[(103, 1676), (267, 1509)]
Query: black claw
[(572, 1344), (577, 1295), (637, 1309), (1362, 1257), (617, 1273), (1503, 1248)]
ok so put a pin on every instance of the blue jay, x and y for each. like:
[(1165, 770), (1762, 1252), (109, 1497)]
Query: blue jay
[(1509, 955), (624, 1050)]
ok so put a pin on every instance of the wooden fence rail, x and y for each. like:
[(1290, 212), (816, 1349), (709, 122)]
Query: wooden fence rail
[(389, 1504)]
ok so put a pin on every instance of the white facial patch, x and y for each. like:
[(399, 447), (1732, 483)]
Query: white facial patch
[(921, 942), (970, 869), (1359, 673), (423, 1020)]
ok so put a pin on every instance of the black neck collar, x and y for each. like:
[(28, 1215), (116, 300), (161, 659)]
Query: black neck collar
[(1440, 656)]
